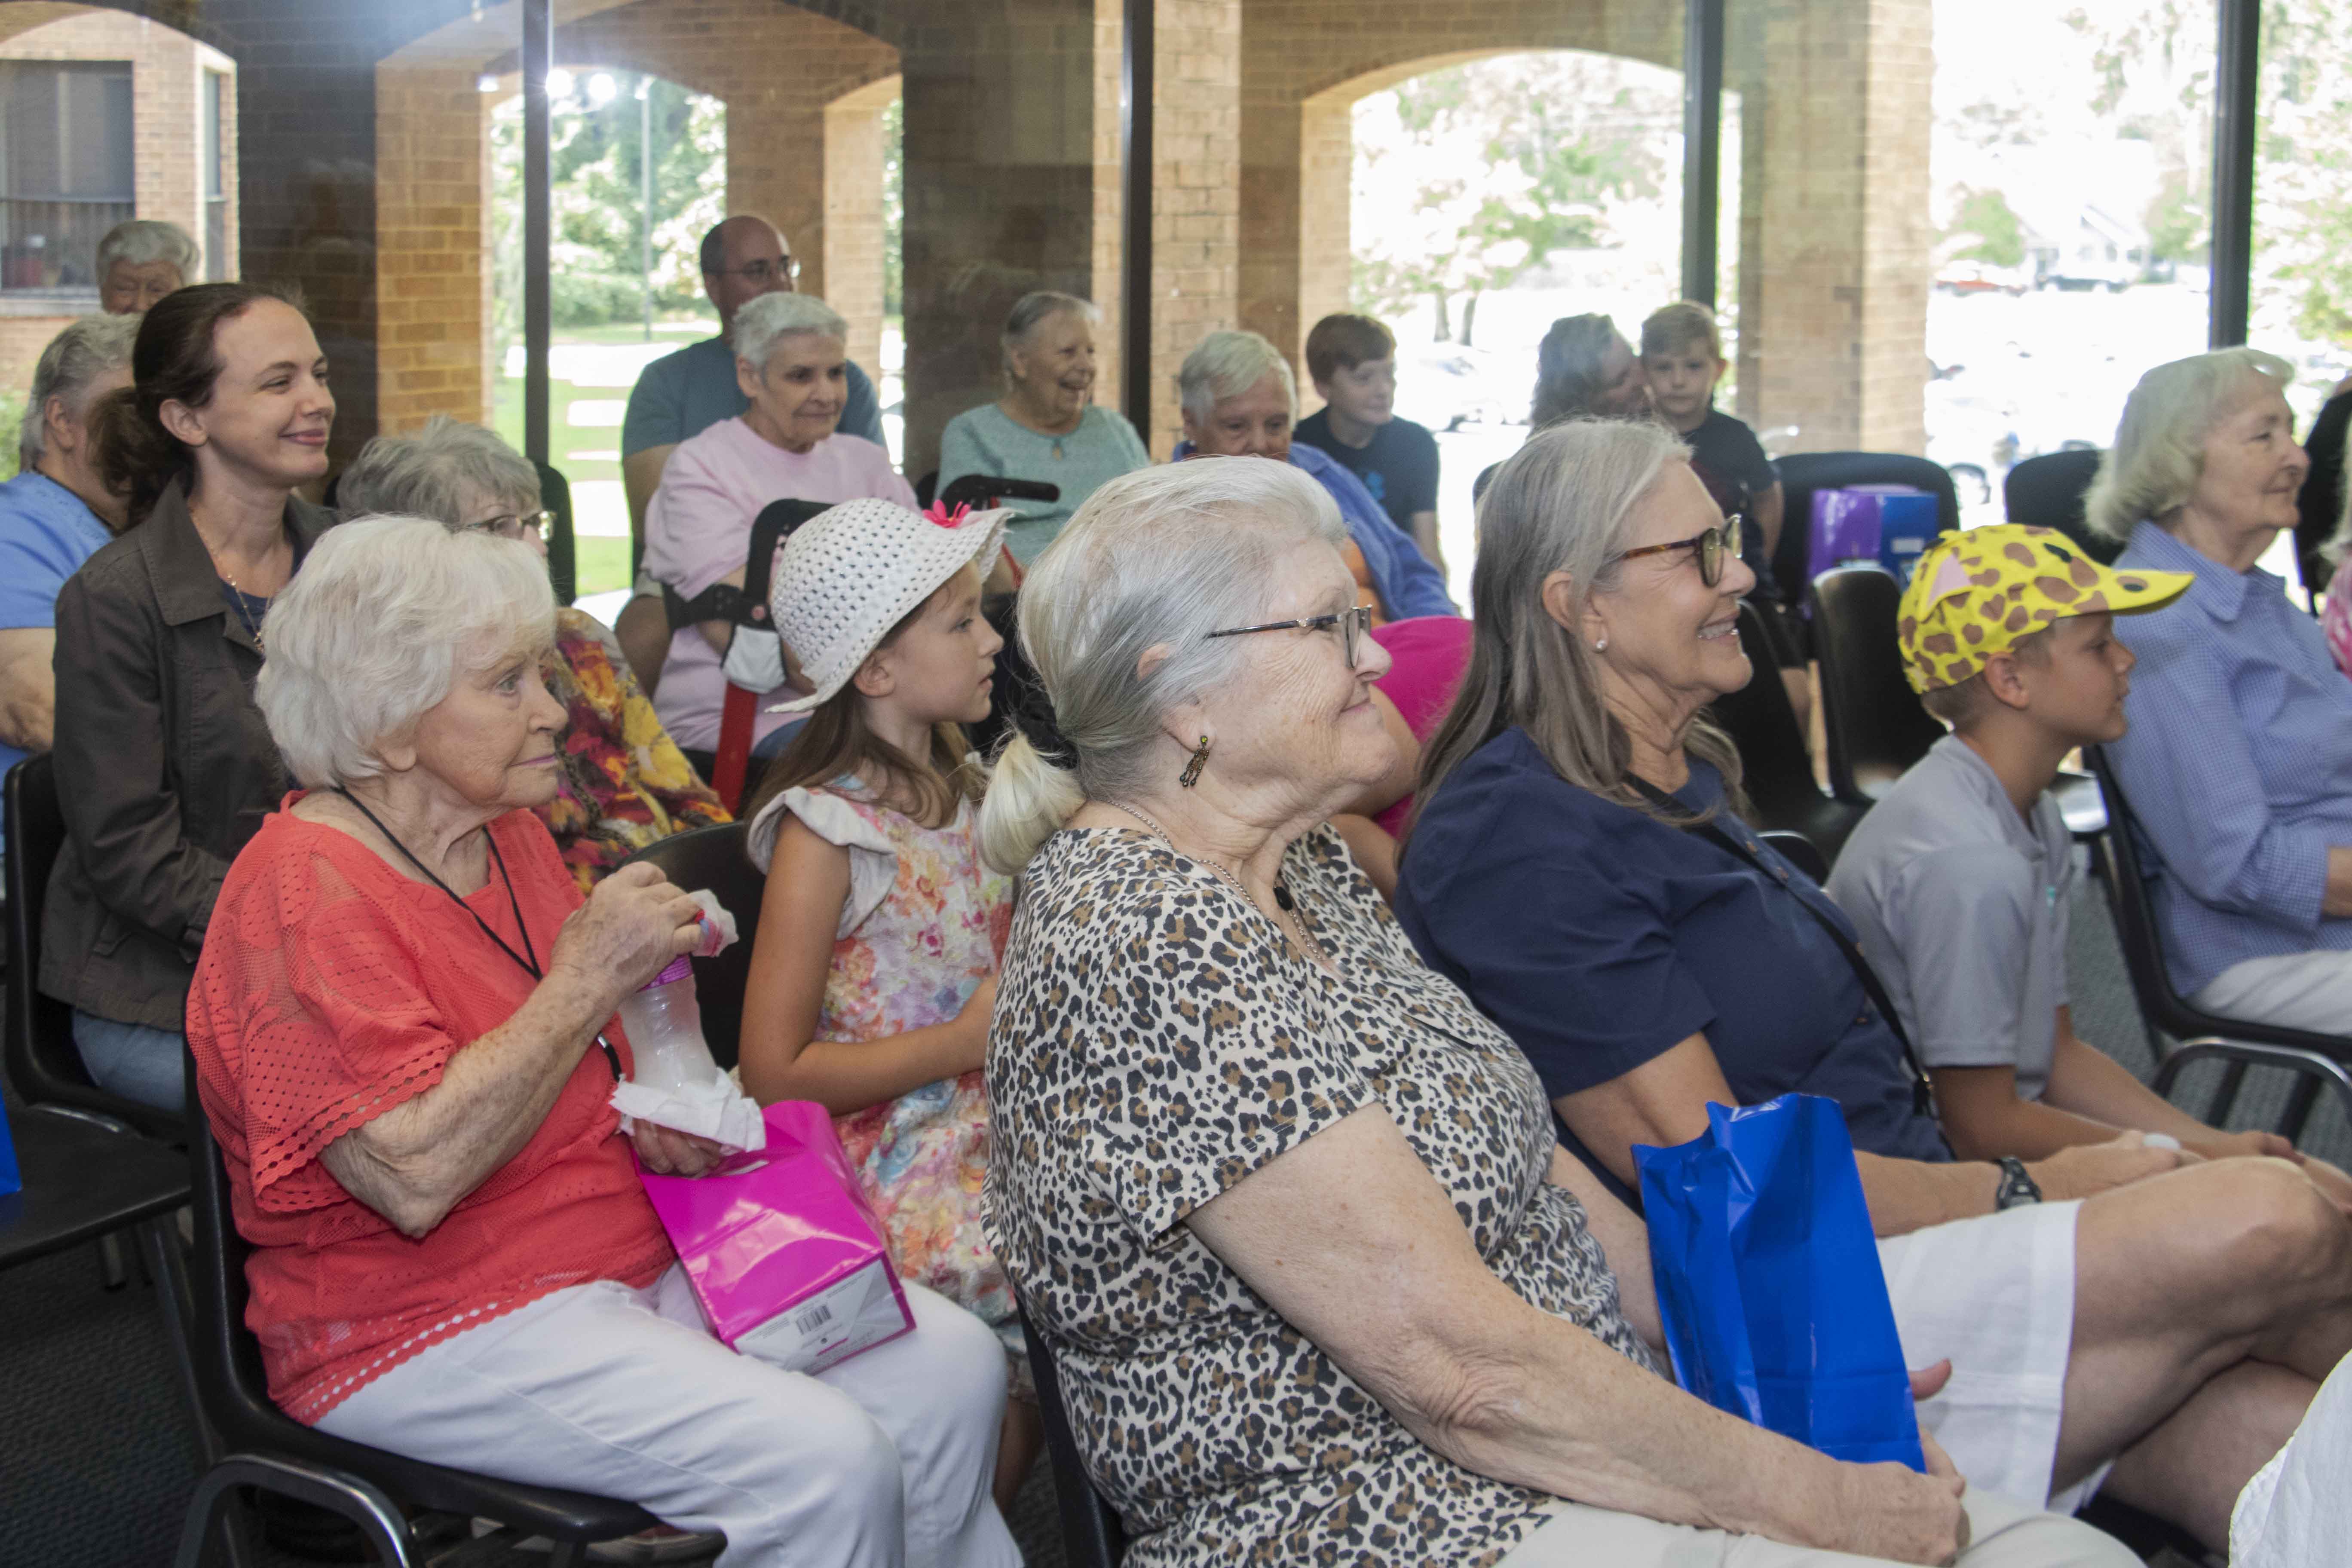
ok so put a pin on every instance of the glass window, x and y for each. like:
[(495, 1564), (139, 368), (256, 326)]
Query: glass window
[(2069, 165), (217, 105), (66, 160)]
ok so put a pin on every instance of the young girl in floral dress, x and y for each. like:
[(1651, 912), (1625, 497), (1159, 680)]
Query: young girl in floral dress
[(881, 932)]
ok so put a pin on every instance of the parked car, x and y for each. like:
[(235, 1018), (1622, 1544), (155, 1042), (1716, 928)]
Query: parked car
[(1982, 278)]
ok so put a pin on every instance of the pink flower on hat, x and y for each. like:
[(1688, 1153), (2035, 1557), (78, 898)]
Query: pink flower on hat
[(939, 513)]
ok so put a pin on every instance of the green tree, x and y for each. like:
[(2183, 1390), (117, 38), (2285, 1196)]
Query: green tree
[(1986, 219), (2303, 188), (596, 198), (1505, 163)]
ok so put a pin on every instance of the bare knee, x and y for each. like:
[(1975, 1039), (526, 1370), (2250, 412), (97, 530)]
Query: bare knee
[(2277, 1231)]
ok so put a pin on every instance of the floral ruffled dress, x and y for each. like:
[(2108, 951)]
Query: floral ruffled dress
[(924, 924)]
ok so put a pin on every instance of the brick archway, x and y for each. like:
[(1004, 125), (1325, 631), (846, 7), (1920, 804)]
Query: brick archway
[(778, 68)]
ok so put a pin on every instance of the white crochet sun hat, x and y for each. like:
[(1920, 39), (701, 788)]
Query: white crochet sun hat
[(854, 571)]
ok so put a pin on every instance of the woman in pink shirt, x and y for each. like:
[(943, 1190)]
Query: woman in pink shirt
[(791, 355)]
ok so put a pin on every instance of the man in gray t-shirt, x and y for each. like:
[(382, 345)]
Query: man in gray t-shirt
[(1959, 880)]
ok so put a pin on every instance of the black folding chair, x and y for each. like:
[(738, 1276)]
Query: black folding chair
[(563, 551), (1776, 763), (44, 1064), (1803, 473), (713, 857), (264, 1449), (2048, 491), (1873, 719), (2318, 1061), (1092, 1533)]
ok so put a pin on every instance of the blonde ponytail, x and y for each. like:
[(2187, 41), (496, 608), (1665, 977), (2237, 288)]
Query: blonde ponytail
[(1028, 800)]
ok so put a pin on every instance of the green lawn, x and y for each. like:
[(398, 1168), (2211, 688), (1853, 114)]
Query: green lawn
[(603, 564)]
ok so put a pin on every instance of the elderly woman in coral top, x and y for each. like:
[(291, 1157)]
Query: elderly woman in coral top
[(400, 1027)]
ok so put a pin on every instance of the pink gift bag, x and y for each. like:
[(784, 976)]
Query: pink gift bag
[(786, 1257)]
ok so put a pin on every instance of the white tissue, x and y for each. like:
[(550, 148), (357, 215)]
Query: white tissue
[(718, 931), (713, 1111)]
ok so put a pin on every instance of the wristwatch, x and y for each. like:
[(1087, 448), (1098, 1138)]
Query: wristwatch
[(2016, 1187)]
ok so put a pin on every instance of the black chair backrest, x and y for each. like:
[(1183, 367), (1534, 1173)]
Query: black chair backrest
[(1799, 851), (713, 857), (1803, 473), (1873, 722), (230, 1379), (926, 489), (562, 552), (2048, 492), (44, 1064), (1776, 765), (1092, 1533)]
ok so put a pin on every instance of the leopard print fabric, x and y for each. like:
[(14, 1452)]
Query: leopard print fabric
[(1154, 1042)]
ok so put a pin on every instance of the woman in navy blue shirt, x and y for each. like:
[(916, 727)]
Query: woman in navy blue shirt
[(1579, 867)]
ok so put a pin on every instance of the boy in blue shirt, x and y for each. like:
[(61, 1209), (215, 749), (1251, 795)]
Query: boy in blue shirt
[(1352, 362)]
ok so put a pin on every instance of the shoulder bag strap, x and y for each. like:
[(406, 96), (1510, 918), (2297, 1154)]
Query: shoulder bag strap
[(1923, 1086)]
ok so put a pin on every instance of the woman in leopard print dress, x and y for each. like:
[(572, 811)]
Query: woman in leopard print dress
[(1287, 1209)]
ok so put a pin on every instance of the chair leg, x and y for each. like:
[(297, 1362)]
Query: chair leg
[(113, 1266), (2225, 1095), (2299, 1104), (378, 1518), (159, 1240)]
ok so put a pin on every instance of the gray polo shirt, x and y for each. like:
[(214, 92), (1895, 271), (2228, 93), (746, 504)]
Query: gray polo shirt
[(1961, 908)]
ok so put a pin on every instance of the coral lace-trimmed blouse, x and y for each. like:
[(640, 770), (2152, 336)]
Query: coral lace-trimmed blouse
[(332, 990)]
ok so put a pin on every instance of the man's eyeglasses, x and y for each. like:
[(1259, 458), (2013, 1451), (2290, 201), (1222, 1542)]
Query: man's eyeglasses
[(763, 272), (1352, 624), (515, 525), (1712, 548)]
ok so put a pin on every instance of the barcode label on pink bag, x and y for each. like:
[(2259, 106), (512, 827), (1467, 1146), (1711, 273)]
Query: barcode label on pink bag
[(846, 1317)]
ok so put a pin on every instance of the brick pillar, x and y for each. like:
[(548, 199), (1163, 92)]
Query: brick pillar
[(1196, 189), (432, 241), (1109, 204), (1000, 182), (1834, 235), (851, 238)]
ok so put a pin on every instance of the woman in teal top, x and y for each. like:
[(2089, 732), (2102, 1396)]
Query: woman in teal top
[(1046, 427)]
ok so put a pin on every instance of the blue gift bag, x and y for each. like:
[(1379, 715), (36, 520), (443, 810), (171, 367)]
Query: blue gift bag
[(1769, 1283)]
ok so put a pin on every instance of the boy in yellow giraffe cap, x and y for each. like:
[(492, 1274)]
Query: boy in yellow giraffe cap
[(1959, 882)]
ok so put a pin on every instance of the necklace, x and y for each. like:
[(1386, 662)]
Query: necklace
[(529, 965), (237, 598), (1286, 920)]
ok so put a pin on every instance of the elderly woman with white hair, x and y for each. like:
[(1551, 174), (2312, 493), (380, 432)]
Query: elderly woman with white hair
[(623, 782), (1287, 1209), (791, 360), (1241, 400), (2239, 760), (403, 1036), (1047, 425), (53, 515), (140, 261)]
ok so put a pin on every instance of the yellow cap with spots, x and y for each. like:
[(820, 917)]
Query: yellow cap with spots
[(1977, 593)]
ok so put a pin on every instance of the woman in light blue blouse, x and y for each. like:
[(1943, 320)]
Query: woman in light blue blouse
[(1046, 427), (2239, 762)]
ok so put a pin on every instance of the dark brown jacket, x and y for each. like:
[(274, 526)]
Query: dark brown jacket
[(163, 765)]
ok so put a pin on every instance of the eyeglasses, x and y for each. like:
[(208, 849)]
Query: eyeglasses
[(762, 271), (1352, 624), (1711, 548), (515, 525)]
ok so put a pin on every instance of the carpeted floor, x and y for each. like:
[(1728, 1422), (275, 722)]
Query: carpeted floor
[(96, 1460)]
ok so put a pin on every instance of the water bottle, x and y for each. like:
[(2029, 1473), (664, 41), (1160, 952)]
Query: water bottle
[(665, 1025)]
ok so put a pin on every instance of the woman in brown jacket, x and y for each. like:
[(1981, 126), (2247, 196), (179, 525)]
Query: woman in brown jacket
[(163, 765)]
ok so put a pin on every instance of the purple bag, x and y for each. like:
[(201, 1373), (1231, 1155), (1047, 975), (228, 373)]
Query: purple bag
[(784, 1255)]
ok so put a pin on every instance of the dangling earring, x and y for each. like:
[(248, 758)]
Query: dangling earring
[(1191, 774), (1600, 645)]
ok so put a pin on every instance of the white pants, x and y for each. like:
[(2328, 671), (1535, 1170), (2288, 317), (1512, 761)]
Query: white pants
[(2002, 1535), (883, 1460), (2294, 990), (2298, 1509)]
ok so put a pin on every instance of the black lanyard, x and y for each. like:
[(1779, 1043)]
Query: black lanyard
[(527, 960), (1923, 1087)]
